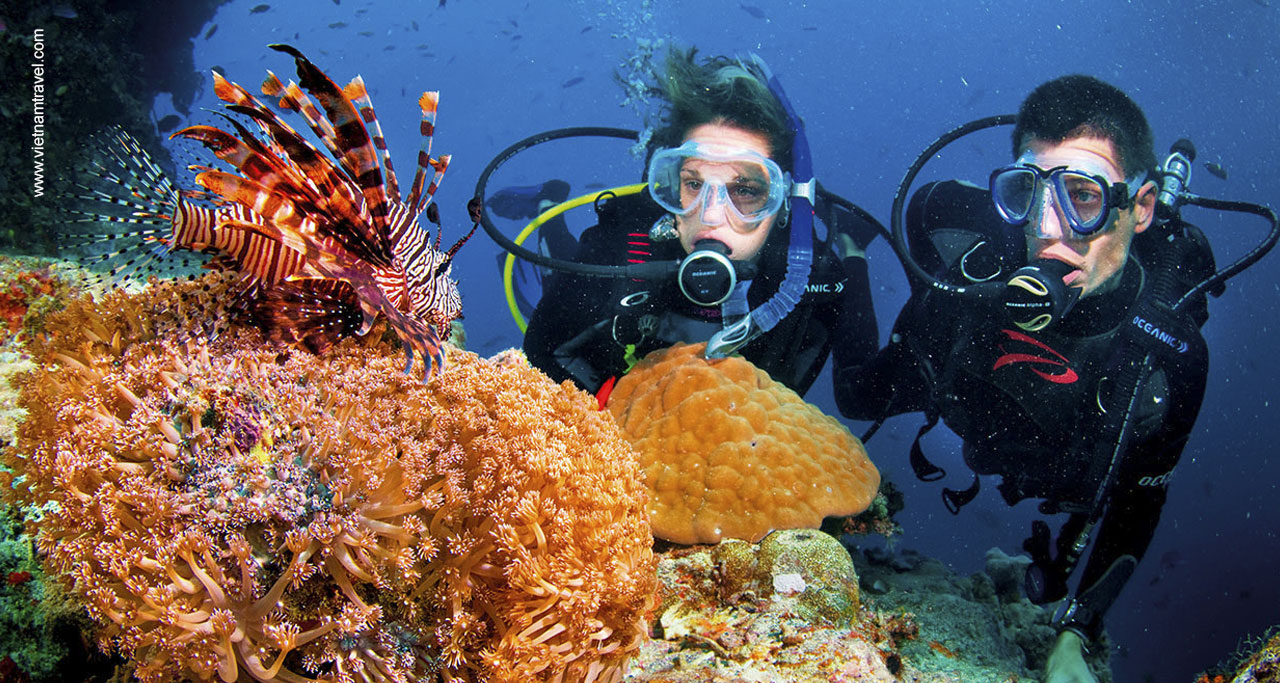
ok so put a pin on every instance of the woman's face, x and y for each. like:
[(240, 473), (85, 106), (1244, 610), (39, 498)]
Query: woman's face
[(715, 220)]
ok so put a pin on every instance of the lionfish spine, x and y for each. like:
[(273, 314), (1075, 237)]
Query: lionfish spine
[(352, 138), (233, 93), (428, 103), (359, 96)]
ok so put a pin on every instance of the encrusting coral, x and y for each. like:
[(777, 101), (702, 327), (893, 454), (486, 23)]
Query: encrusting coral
[(237, 510), (729, 453)]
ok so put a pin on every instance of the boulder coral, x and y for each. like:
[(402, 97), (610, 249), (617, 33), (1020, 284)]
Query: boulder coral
[(729, 453), (235, 510)]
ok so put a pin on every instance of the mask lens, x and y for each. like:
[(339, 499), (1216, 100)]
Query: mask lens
[(689, 177), (749, 190), (1083, 199), (1014, 191)]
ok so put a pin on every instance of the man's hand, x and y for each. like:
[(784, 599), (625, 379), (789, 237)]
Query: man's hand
[(1066, 661)]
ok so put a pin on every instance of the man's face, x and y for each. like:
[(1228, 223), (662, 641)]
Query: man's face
[(1097, 258)]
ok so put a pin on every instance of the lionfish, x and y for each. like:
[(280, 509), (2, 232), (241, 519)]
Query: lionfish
[(323, 245)]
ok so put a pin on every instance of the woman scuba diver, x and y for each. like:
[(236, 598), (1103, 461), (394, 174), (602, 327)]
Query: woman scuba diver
[(730, 198)]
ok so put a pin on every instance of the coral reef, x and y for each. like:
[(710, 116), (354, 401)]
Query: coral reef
[(809, 565), (30, 289), (978, 628), (1256, 660), (732, 612), (729, 453), (239, 510)]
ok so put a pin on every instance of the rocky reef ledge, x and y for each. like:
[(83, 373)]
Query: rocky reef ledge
[(799, 606)]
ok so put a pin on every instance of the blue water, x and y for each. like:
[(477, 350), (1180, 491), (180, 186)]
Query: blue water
[(876, 82)]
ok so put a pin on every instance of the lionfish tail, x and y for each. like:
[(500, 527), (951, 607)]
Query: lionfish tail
[(126, 219)]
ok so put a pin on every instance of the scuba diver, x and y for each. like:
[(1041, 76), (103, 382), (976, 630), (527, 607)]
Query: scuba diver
[(1054, 326), (728, 202)]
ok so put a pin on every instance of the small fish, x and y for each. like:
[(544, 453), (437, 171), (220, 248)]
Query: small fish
[(388, 48), (414, 24), (420, 46), (1216, 169), (572, 82), (753, 11), (517, 36), (585, 29), (810, 28), (366, 33), (337, 2), (168, 123), (64, 11), (338, 24), (212, 30), (259, 9), (441, 4)]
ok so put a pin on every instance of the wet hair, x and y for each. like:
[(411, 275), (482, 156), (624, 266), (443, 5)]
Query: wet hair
[(1083, 106), (719, 90)]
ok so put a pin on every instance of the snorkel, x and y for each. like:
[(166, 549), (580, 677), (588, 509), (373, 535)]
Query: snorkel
[(741, 324)]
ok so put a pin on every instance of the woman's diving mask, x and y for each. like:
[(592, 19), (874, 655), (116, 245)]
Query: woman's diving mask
[(708, 178)]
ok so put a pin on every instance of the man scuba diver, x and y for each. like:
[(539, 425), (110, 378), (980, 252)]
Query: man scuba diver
[(723, 199), (1065, 351)]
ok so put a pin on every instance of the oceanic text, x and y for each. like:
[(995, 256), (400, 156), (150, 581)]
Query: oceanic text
[(1160, 335)]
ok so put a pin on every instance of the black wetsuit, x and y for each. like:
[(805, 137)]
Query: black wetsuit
[(1030, 405), (583, 325)]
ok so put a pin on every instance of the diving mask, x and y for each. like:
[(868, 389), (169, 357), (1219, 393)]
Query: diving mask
[(704, 176), (1085, 199)]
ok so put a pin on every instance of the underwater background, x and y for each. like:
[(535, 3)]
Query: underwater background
[(875, 82)]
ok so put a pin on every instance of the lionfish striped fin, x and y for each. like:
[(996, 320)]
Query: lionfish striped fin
[(429, 102), (358, 156), (359, 96), (328, 212), (346, 197), (316, 313), (234, 94), (247, 155), (272, 86), (293, 98), (280, 218)]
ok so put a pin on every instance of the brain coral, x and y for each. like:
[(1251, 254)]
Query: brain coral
[(241, 511), (729, 453)]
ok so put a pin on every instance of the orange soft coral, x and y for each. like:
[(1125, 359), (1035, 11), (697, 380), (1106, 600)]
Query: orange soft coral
[(239, 511), (729, 453)]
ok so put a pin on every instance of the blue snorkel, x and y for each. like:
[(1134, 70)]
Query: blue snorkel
[(741, 325)]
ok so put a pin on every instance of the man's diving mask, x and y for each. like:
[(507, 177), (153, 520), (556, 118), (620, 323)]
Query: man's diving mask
[(703, 177), (1022, 193)]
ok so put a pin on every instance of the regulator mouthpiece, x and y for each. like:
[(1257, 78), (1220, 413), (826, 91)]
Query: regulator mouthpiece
[(706, 275), (1036, 297)]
